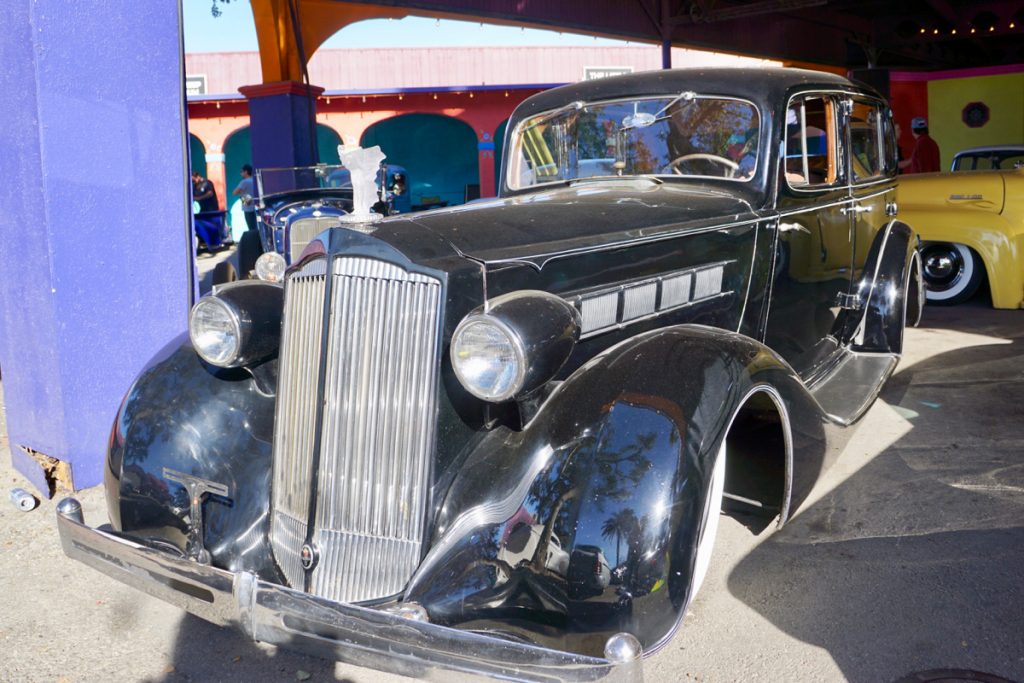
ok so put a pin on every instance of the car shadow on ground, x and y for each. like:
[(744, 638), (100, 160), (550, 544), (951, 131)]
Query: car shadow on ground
[(205, 652), (913, 561)]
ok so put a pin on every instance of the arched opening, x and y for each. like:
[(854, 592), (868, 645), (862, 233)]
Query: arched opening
[(197, 154), (439, 154), (499, 152), (237, 153), (327, 141), (755, 478)]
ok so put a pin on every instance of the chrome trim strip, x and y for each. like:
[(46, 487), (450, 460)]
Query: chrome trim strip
[(538, 261), (492, 512), (612, 308)]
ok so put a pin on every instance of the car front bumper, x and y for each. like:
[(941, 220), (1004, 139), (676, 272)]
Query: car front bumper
[(275, 614)]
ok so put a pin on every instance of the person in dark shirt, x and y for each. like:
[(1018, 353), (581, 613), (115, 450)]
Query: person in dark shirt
[(925, 157), (204, 193)]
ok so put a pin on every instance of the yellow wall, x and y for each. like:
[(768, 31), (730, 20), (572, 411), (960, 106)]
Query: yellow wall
[(947, 98)]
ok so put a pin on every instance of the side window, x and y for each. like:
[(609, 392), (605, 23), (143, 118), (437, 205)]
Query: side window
[(811, 150), (868, 153)]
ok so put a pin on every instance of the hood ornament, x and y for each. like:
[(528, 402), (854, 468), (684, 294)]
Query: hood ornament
[(362, 165)]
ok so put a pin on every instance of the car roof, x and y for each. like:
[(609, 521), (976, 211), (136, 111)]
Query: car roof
[(991, 148), (764, 86)]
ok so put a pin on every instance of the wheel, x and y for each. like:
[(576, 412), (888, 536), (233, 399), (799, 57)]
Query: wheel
[(223, 273), (709, 527), (249, 249), (952, 272), (731, 165)]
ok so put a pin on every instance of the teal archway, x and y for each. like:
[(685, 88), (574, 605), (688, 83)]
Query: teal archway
[(237, 153), (499, 153), (197, 154), (438, 152), (327, 141)]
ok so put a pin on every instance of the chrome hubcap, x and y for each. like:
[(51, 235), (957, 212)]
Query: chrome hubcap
[(943, 266)]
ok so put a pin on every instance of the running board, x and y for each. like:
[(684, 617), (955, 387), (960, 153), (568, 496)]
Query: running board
[(850, 389)]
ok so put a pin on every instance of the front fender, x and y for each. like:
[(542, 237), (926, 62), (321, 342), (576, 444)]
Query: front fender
[(585, 523), (998, 241), (185, 415)]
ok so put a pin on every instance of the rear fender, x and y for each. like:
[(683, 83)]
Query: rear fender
[(614, 468), (889, 291)]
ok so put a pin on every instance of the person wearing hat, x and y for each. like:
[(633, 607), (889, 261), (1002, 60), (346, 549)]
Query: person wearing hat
[(925, 157)]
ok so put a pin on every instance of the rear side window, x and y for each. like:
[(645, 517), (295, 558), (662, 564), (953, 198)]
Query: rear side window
[(869, 151), (811, 149)]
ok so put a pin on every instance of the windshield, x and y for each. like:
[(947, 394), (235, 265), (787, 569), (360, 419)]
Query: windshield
[(275, 180), (684, 135)]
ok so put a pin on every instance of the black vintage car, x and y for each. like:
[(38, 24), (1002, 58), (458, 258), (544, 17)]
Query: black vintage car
[(496, 438)]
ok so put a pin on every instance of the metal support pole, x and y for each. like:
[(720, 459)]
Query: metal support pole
[(666, 53)]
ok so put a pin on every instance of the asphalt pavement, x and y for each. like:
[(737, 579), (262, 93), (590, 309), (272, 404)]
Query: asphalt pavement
[(908, 557)]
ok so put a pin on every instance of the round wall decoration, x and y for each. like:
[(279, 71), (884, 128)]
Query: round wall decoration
[(975, 114)]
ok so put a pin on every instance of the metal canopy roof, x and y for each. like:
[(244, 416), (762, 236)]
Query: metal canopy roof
[(928, 34)]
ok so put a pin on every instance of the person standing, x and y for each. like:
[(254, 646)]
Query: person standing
[(204, 193), (245, 191), (925, 157)]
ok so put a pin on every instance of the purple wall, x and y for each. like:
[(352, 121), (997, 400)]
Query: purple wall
[(92, 125)]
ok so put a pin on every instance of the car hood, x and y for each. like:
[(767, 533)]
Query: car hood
[(538, 226), (975, 190)]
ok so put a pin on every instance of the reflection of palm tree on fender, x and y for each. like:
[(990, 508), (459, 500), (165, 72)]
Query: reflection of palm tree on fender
[(622, 523)]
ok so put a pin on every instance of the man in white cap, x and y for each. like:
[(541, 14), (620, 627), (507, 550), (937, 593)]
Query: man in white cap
[(925, 157)]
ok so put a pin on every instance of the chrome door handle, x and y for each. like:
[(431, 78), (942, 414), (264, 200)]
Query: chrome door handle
[(855, 209), (793, 227)]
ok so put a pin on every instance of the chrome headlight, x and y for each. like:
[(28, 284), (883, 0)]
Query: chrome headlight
[(514, 345), (238, 325), (488, 358), (215, 331), (270, 267)]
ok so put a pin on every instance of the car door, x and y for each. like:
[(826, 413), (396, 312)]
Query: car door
[(812, 275), (872, 159)]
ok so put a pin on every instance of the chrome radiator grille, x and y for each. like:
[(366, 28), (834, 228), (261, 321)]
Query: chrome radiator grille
[(302, 231), (295, 424), (377, 431)]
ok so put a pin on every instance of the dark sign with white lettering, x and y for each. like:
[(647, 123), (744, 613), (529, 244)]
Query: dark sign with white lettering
[(591, 73), (195, 85)]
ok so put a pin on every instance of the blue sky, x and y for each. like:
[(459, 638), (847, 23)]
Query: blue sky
[(234, 31)]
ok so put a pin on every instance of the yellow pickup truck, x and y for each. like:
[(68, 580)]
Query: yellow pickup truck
[(972, 228)]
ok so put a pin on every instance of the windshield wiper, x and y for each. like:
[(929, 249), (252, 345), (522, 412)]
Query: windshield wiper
[(642, 120)]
